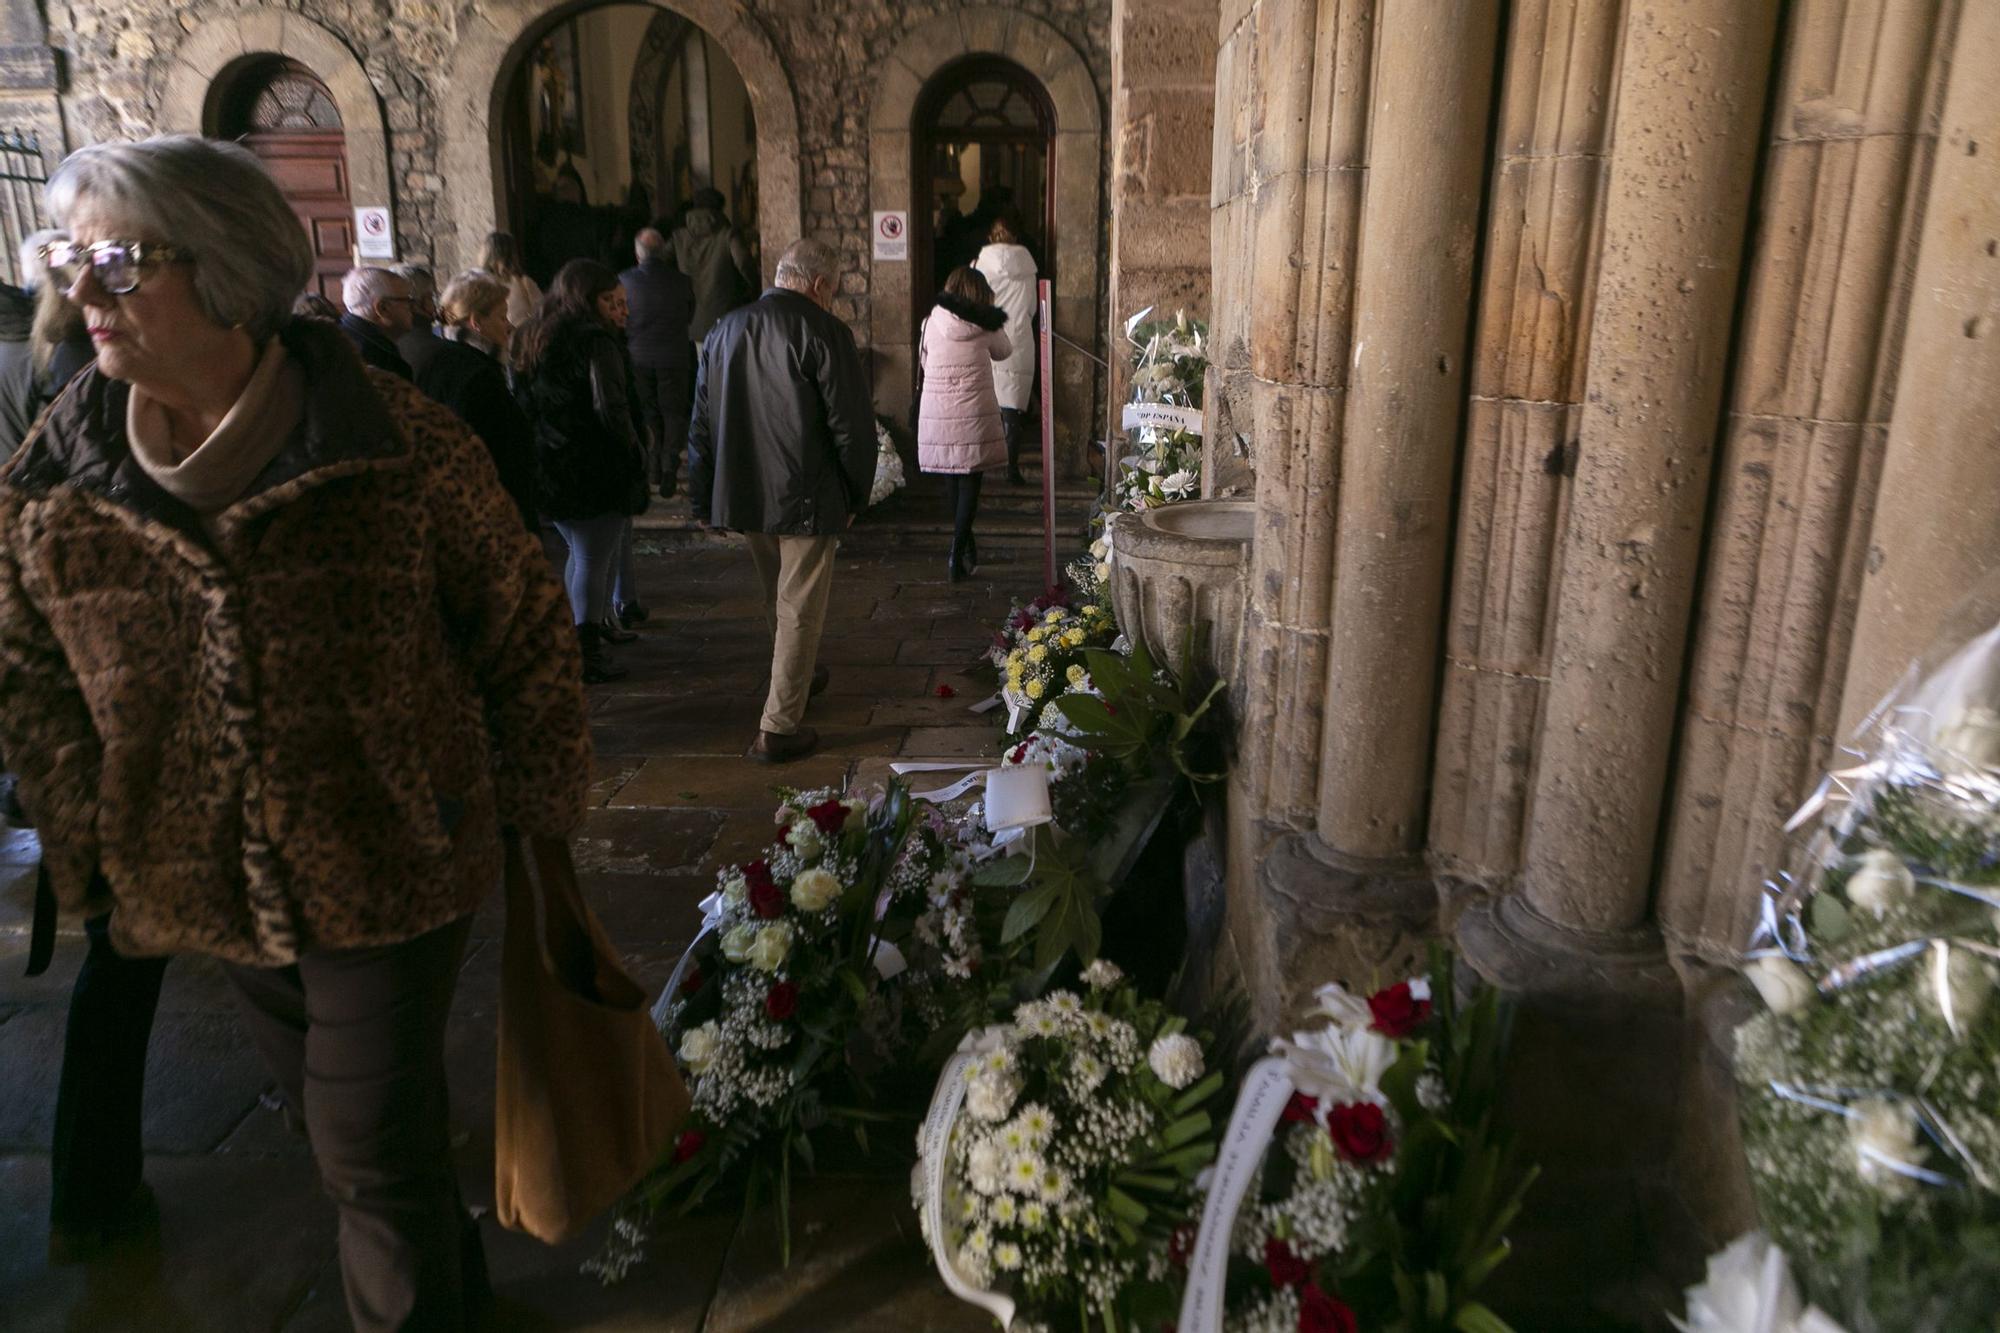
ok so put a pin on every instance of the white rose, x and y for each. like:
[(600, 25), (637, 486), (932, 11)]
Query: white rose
[(736, 942), (1887, 1146), (991, 1097), (1972, 736), (805, 840), (767, 952), (1176, 1059), (735, 890), (815, 890), (1965, 979), (1783, 984), (1102, 975), (1880, 882), (699, 1047)]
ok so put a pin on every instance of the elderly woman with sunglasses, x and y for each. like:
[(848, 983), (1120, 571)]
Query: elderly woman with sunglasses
[(278, 666)]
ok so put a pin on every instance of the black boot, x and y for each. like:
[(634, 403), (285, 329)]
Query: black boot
[(955, 565), (971, 553), (598, 668), (615, 632)]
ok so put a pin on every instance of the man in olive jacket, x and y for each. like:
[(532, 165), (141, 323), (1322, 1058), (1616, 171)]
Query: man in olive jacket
[(782, 449)]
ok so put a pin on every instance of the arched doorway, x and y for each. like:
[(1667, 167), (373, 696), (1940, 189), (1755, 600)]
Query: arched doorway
[(612, 118), (279, 110), (983, 139)]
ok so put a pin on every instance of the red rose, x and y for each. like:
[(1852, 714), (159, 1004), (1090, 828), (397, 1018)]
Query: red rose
[(781, 1001), (1360, 1131), (1284, 1266), (1301, 1109), (829, 815), (1321, 1313), (766, 899), (757, 872), (1397, 1012), (692, 981), (946, 692), (1180, 1246), (688, 1144)]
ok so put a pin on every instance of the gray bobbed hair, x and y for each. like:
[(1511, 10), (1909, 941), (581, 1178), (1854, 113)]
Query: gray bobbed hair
[(251, 257)]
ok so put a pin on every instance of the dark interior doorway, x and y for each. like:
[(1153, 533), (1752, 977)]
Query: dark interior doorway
[(280, 111), (984, 143)]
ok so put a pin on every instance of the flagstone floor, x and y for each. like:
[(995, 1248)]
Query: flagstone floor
[(247, 1241)]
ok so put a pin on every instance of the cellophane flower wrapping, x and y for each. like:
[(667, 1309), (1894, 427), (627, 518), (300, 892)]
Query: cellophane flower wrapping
[(1085, 1125), (1871, 1082), (889, 473), (1169, 363)]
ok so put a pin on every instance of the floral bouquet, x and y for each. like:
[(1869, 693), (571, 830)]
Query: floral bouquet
[(1169, 362), (788, 1000), (1040, 651), (1361, 1186), (1060, 1151), (1871, 1084), (889, 476)]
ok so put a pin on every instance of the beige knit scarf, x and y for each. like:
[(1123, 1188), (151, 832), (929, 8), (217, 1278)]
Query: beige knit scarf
[(216, 472)]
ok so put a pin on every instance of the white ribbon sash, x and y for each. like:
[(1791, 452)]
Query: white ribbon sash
[(711, 917), (1164, 416), (946, 1100), (1266, 1090)]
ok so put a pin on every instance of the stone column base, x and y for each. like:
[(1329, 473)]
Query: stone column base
[(1363, 922)]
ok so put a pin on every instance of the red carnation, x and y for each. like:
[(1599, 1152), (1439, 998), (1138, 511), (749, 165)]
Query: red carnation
[(692, 981), (1284, 1265), (1397, 1012), (688, 1144), (1321, 1313), (946, 692), (781, 1001), (1180, 1246), (1301, 1109), (1361, 1132), (767, 900), (1020, 754), (829, 815)]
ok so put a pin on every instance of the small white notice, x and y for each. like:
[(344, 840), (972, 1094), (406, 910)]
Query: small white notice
[(892, 236), (373, 238), (1162, 416)]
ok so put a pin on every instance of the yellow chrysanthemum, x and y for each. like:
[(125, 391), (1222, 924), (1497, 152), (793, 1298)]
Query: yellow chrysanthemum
[(1034, 689), (1075, 674), (1035, 635), (1038, 653), (1074, 638)]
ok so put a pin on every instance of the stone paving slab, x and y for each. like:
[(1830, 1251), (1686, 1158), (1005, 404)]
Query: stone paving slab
[(671, 782)]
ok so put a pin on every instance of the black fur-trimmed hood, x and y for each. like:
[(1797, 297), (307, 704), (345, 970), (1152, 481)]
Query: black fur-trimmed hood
[(988, 317)]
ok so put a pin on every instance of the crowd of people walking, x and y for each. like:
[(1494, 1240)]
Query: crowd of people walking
[(284, 659)]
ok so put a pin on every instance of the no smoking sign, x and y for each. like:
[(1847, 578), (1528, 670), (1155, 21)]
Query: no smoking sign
[(372, 235), (892, 236)]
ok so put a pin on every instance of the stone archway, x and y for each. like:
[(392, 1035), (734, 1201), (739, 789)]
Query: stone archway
[(482, 69), (223, 41), (1045, 53)]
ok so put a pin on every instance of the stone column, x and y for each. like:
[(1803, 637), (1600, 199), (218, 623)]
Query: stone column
[(30, 83), (1162, 122), (1530, 349), (1853, 138), (1936, 532), (1413, 277), (1690, 99), (1293, 91)]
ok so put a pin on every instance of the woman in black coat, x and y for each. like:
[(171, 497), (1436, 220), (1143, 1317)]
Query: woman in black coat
[(463, 370), (571, 377)]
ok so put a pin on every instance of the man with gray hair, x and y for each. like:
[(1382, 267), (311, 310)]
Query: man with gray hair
[(379, 306), (782, 450), (419, 342)]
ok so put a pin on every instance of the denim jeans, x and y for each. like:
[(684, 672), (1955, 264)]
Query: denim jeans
[(624, 582), (594, 551)]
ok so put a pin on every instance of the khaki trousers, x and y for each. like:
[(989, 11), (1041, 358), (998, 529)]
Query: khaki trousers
[(797, 573)]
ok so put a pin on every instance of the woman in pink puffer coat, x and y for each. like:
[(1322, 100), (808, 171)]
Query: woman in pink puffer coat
[(959, 432)]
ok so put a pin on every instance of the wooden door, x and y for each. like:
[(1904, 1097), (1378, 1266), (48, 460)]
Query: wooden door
[(311, 168)]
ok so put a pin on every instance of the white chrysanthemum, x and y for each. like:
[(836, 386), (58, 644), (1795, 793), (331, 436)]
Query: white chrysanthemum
[(815, 890), (1176, 1060), (700, 1046), (1088, 1071), (1102, 975), (1023, 1173), (982, 1167), (1005, 1211), (1037, 1124), (1007, 1256), (1052, 1185), (991, 1096), (1034, 1214)]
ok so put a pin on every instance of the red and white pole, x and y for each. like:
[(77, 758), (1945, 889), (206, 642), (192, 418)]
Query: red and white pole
[(1046, 322)]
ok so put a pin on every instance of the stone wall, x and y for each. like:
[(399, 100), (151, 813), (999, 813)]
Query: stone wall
[(832, 55)]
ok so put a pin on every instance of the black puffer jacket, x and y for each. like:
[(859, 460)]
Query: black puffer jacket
[(783, 434), (586, 438)]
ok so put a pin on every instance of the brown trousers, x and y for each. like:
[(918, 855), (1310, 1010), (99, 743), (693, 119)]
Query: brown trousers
[(356, 1040), (797, 573)]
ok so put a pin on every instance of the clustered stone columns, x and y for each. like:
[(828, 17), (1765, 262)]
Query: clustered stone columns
[(1162, 108), (1853, 136)]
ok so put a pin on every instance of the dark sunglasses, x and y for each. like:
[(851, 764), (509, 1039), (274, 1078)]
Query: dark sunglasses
[(116, 265)]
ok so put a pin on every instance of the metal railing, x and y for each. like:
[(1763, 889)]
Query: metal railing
[(22, 176)]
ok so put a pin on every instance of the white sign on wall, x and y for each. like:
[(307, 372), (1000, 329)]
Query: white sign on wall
[(373, 238), (892, 236)]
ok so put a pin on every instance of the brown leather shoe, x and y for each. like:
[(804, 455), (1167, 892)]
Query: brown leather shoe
[(771, 748), (821, 679)]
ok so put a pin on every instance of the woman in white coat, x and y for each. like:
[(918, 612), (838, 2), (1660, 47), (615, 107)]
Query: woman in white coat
[(1010, 269)]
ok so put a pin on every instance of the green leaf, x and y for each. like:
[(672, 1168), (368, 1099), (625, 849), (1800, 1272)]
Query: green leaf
[(1027, 912), (1125, 1206), (1476, 1318), (1003, 872)]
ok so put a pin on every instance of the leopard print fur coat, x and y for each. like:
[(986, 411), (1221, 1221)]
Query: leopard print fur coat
[(308, 730)]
